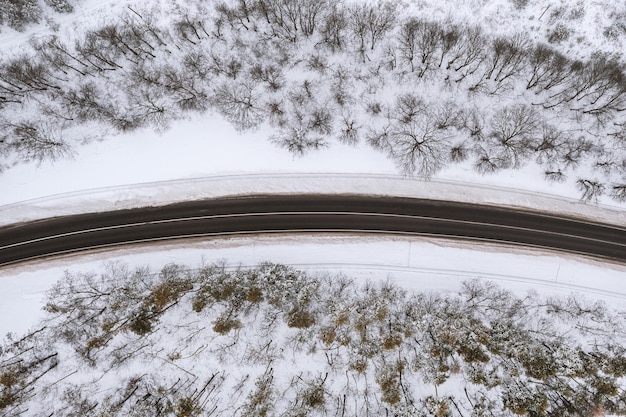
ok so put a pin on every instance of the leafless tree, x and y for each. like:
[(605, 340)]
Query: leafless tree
[(548, 68), (349, 130), (271, 75), (58, 56), (320, 120), (96, 51), (513, 133), (450, 36), (115, 37), (418, 147), (87, 102), (474, 123), (574, 150), (225, 64), (190, 28), (19, 13), (35, 142), (555, 176), (508, 57), (468, 53), (238, 15), (419, 41), (369, 24), (298, 139), (408, 107), (486, 163), (549, 145), (61, 6), (333, 27), (590, 189), (289, 19), (459, 152), (598, 87), (618, 192), (151, 107), (448, 114), (380, 138), (240, 104), (22, 75)]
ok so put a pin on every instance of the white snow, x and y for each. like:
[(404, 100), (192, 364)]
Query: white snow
[(414, 263), (204, 157)]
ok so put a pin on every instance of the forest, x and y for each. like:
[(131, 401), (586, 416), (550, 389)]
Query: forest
[(272, 340), (426, 92)]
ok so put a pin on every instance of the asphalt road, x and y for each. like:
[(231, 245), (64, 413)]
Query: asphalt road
[(311, 213)]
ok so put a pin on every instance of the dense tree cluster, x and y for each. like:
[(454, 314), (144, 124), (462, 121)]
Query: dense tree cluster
[(18, 14), (426, 92), (273, 340)]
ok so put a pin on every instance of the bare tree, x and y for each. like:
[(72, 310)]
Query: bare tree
[(590, 189), (320, 120), (270, 74), (370, 23), (468, 53), (459, 152), (598, 87), (487, 162), (418, 147), (298, 139), (551, 141), (574, 150), (151, 107), (59, 57), (61, 6), (289, 19), (349, 130), (240, 104), (19, 13), (380, 139), (449, 39), (96, 51), (513, 134), (408, 107), (225, 64), (508, 58), (548, 68), (22, 76), (35, 142), (190, 28), (239, 15), (555, 176), (333, 26), (618, 192), (448, 114), (88, 102), (419, 40)]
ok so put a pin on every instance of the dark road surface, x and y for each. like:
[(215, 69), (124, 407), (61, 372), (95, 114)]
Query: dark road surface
[(311, 213)]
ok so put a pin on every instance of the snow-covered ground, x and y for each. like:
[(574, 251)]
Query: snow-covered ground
[(149, 170), (203, 156), (413, 263)]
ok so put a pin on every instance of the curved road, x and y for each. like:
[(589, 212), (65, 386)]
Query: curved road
[(311, 213)]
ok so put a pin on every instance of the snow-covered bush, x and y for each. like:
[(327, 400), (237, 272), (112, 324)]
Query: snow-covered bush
[(61, 6), (19, 13), (272, 340)]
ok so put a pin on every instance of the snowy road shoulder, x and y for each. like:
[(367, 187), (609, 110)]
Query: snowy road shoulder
[(167, 192), (412, 263)]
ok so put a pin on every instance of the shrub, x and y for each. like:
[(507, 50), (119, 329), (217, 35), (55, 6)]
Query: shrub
[(61, 6), (519, 4), (559, 34)]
